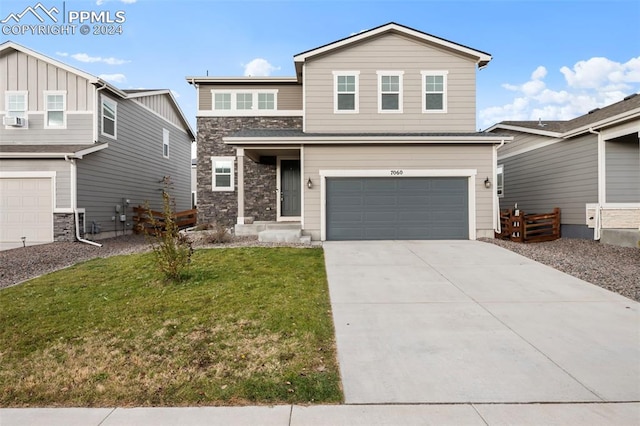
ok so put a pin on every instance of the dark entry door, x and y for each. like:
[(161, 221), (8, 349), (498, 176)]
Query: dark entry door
[(290, 188)]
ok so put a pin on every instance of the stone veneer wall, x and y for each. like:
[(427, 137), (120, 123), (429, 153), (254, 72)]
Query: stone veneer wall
[(260, 179), (64, 227)]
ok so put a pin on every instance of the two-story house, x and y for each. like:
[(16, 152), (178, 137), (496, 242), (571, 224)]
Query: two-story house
[(77, 153), (374, 138)]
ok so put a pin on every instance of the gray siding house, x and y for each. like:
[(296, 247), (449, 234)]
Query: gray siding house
[(588, 166), (76, 153), (373, 138)]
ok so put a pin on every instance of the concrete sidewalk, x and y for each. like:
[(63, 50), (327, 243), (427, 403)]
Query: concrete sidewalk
[(599, 414)]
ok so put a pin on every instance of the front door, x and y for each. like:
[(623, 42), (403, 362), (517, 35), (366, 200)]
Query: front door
[(290, 188)]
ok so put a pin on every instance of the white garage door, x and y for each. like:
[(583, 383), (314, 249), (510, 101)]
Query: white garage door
[(26, 210)]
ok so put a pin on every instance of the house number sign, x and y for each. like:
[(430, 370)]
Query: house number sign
[(397, 172)]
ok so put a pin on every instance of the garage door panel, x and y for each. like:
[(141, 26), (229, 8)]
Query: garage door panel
[(397, 208), (27, 210)]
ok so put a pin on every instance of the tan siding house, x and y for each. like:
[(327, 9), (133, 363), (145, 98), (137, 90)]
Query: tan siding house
[(73, 147), (374, 138)]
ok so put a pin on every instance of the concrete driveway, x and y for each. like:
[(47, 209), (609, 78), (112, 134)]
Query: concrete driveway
[(470, 322)]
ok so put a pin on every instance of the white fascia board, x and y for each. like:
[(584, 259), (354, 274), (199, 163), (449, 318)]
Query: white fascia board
[(481, 56), (243, 80), (530, 148), (319, 140), (627, 115), (80, 154), (405, 173), (524, 130), (250, 113), (147, 93)]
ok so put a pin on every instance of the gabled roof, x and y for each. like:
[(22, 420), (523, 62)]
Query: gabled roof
[(624, 110), (481, 58), (141, 93)]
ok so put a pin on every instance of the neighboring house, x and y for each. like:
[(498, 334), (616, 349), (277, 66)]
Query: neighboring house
[(75, 150), (374, 138), (589, 167)]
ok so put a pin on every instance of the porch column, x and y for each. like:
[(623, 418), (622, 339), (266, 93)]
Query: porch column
[(240, 155)]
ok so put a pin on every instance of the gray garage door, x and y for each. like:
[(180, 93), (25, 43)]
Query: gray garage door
[(397, 208)]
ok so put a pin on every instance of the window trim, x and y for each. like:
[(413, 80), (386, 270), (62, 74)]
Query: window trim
[(46, 94), (165, 143), (398, 74), (254, 100), (229, 188), (108, 100), (444, 75), (25, 94), (356, 93), (499, 186)]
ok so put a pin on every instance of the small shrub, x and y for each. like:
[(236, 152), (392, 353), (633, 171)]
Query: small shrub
[(218, 234), (172, 249)]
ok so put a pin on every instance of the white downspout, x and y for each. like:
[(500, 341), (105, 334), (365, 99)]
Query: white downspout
[(74, 202), (601, 184), (496, 200)]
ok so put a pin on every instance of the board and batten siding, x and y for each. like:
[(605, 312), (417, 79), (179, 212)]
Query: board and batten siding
[(289, 95), (132, 167), (61, 167), (564, 175), (390, 52), (622, 171), (417, 157)]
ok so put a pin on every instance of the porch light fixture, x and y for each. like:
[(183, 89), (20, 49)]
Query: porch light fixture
[(309, 184), (487, 183)]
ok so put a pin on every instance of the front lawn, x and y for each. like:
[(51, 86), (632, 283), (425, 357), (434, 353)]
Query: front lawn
[(248, 325)]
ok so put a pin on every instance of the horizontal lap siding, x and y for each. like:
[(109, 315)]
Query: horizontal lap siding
[(289, 95), (522, 141), (390, 53), (133, 166), (61, 167), (318, 158), (563, 175), (623, 171), (79, 131)]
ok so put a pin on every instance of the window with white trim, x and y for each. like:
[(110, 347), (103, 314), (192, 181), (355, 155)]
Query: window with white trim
[(500, 180), (222, 101), (390, 91), (346, 91), (165, 143), (227, 100), (16, 104), (434, 91), (222, 173), (109, 117), (55, 106)]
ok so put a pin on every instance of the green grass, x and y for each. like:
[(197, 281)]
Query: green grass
[(246, 326)]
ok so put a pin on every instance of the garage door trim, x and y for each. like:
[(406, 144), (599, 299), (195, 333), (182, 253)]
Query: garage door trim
[(470, 174)]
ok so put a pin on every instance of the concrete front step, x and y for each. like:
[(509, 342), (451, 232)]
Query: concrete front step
[(280, 236), (257, 227)]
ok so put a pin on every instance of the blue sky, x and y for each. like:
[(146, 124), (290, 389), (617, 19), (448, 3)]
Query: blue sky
[(552, 59)]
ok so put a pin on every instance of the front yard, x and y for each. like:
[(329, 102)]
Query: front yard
[(248, 326)]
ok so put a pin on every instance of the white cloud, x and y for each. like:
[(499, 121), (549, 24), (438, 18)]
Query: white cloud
[(114, 78), (62, 54), (594, 83), (259, 67), (83, 57)]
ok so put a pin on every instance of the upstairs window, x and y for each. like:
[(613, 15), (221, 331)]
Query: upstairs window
[(16, 104), (434, 85), (109, 117), (222, 101), (266, 101), (500, 180), (390, 91), (346, 91), (222, 176), (55, 103), (244, 101), (165, 143)]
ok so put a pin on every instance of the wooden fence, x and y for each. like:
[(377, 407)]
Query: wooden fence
[(529, 228), (143, 220)]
